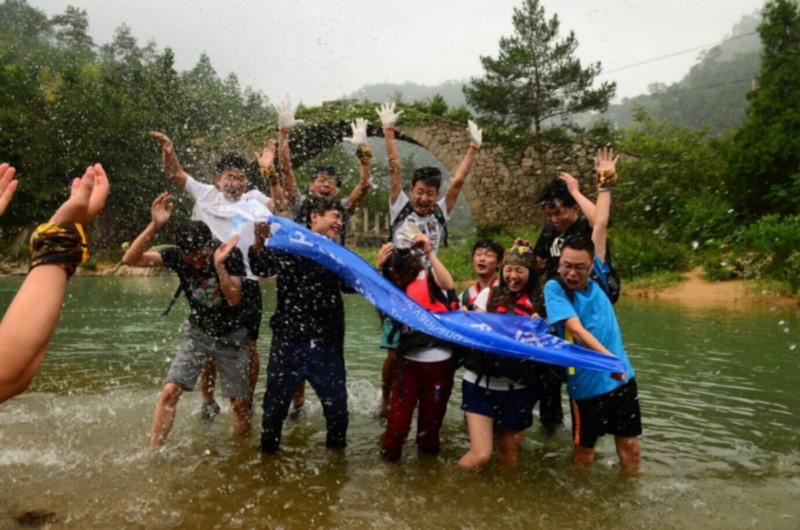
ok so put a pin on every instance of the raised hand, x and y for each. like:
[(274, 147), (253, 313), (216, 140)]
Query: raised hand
[(87, 197), (161, 209), (572, 183), (383, 254), (266, 157), (359, 128), (605, 160), (7, 185), (261, 232), (171, 165), (224, 250), (286, 119), (475, 134), (387, 115), (422, 241)]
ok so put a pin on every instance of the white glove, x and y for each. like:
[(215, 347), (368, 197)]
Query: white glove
[(359, 132), (286, 115), (387, 114), (475, 134)]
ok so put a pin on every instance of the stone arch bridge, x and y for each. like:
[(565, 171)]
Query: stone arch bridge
[(501, 190)]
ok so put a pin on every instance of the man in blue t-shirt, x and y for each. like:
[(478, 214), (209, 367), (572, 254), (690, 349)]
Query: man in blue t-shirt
[(602, 403)]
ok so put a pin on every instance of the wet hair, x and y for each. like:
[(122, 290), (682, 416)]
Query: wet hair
[(231, 161), (402, 267), (489, 244), (501, 295), (556, 190), (579, 242), (193, 236), (320, 205), (431, 176), (330, 170)]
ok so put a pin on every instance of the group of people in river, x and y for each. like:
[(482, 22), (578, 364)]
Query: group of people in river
[(565, 277)]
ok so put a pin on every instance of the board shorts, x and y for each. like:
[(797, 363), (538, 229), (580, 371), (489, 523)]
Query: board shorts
[(511, 410), (386, 344), (616, 412), (251, 308), (228, 351)]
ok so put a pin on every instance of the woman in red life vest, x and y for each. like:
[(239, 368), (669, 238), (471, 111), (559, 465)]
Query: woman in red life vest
[(424, 369), (499, 392)]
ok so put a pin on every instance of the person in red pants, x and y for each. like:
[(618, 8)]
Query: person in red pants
[(424, 370)]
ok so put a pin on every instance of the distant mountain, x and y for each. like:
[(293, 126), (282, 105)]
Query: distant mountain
[(714, 91), (449, 90)]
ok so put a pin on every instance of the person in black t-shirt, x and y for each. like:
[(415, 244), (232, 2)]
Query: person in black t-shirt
[(562, 220), (307, 331), (211, 278)]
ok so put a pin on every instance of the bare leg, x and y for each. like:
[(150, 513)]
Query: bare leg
[(582, 456), (480, 441), (386, 381), (628, 452), (164, 414), (207, 379), (241, 416), (508, 446), (254, 367)]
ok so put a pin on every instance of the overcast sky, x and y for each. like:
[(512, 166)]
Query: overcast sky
[(317, 50)]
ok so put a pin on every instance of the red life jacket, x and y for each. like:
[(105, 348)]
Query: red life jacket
[(523, 306), (424, 291), (468, 297)]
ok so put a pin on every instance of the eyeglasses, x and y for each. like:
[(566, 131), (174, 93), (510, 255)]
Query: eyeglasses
[(579, 268)]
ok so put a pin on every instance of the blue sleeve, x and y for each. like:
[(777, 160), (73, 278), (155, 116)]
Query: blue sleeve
[(559, 308), (601, 269)]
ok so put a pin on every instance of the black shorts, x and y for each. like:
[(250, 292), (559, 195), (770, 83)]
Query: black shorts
[(251, 308), (615, 412)]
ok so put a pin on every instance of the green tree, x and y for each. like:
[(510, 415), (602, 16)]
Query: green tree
[(766, 150), (536, 78)]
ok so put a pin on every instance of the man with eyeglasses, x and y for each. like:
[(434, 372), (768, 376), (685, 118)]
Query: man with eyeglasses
[(580, 310)]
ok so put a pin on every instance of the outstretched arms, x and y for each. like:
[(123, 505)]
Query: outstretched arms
[(364, 155), (172, 167), (136, 255), (388, 119), (463, 169), (266, 164), (31, 318), (574, 188), (605, 164)]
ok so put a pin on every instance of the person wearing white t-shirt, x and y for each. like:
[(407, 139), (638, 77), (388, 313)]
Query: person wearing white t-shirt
[(423, 208), (229, 208)]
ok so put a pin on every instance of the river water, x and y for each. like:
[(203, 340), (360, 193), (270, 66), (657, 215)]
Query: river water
[(720, 449)]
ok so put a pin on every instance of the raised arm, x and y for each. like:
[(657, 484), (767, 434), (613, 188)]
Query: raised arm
[(364, 154), (266, 165), (7, 185), (463, 169), (605, 165), (137, 255), (287, 122), (230, 284), (172, 167), (388, 120), (58, 246), (441, 276), (574, 188)]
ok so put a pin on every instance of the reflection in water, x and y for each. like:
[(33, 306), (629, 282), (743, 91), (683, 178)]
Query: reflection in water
[(720, 448)]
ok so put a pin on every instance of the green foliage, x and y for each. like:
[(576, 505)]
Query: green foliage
[(66, 103), (536, 77), (672, 182), (438, 105), (771, 247), (640, 252), (766, 150)]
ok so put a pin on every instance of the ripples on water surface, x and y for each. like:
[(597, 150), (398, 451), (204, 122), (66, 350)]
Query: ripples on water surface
[(719, 392)]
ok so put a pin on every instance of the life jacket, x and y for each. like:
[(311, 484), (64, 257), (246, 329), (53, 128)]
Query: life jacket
[(469, 295), (407, 210), (426, 293), (489, 365)]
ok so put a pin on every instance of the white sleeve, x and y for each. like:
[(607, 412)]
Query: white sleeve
[(397, 207), (482, 300), (443, 205), (198, 191)]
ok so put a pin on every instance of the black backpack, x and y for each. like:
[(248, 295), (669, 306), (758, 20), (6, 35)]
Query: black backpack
[(407, 210)]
